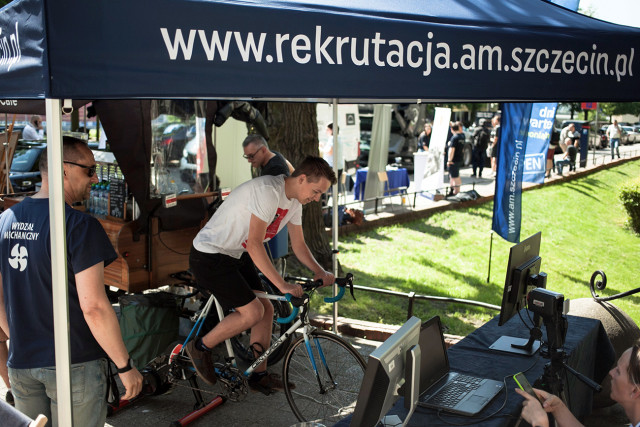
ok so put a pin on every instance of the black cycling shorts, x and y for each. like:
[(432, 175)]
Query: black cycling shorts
[(232, 281)]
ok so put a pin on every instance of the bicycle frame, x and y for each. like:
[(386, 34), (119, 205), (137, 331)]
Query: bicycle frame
[(306, 331)]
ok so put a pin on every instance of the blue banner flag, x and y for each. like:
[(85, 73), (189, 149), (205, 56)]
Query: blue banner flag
[(538, 136), (512, 146)]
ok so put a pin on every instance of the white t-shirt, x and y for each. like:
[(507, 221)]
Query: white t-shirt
[(228, 230), (613, 131), (30, 133), (327, 153)]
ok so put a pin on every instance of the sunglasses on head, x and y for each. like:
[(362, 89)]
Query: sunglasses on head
[(91, 170)]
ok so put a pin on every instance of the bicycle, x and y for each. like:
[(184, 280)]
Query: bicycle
[(324, 369)]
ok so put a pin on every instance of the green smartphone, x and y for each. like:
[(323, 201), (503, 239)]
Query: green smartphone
[(523, 383)]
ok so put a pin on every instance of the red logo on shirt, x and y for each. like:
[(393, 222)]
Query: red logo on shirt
[(272, 229)]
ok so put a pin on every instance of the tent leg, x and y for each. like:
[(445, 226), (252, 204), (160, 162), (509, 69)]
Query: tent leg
[(490, 250), (59, 261), (336, 194)]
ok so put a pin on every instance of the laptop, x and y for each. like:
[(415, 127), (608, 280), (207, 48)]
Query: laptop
[(440, 388)]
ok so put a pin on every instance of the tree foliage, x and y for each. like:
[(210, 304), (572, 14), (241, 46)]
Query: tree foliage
[(293, 132), (618, 108)]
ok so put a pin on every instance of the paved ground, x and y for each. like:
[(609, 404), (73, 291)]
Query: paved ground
[(256, 409), (274, 410)]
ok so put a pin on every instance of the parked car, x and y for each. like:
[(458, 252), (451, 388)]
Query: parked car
[(25, 173), (632, 135), (604, 140)]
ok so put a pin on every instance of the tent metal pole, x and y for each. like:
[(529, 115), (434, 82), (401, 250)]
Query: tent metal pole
[(336, 196), (59, 261), (6, 148), (597, 141), (490, 251)]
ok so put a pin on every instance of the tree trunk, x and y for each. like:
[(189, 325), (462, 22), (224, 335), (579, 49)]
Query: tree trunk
[(293, 132)]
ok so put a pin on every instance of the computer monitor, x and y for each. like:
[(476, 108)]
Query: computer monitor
[(385, 374), (523, 274)]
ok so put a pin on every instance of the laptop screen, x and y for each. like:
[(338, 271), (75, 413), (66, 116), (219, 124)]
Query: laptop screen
[(434, 363)]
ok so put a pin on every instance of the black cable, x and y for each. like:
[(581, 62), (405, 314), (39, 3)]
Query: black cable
[(166, 246)]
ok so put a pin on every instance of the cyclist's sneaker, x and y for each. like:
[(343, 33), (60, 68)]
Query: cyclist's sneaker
[(268, 383), (202, 363)]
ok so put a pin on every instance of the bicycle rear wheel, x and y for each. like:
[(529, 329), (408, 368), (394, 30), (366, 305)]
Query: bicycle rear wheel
[(340, 370)]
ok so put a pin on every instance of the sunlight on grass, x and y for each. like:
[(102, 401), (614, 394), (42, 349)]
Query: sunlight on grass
[(583, 230)]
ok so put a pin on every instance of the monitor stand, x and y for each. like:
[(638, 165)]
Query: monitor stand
[(412, 380), (519, 345), (515, 345)]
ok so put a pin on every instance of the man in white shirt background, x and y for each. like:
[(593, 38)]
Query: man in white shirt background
[(33, 130), (613, 133)]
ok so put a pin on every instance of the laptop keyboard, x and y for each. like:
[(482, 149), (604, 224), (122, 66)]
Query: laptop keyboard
[(452, 393)]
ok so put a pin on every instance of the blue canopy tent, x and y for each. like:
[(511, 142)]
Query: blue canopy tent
[(512, 50), (304, 50)]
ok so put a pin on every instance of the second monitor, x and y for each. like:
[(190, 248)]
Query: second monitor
[(523, 275)]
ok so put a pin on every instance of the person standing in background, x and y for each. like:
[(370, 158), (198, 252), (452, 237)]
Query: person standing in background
[(614, 133), (455, 146), (266, 162), (327, 148), (424, 139), (481, 138), (495, 140)]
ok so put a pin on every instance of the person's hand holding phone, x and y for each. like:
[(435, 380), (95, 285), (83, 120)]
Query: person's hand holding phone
[(532, 410), (524, 385)]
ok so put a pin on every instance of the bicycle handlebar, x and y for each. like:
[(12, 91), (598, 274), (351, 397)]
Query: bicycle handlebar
[(296, 302), (309, 285)]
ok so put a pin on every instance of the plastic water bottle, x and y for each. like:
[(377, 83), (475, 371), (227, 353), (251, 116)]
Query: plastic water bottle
[(101, 189), (106, 198), (103, 198), (97, 207), (91, 208)]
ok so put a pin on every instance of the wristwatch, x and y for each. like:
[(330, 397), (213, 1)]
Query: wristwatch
[(127, 367)]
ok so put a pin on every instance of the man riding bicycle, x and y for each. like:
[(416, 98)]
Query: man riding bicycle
[(228, 249)]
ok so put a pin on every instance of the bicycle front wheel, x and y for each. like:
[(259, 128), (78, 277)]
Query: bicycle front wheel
[(329, 392)]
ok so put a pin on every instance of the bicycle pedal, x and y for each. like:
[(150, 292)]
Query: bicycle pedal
[(234, 384)]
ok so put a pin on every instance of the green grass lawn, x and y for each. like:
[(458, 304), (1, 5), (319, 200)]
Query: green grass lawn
[(447, 254)]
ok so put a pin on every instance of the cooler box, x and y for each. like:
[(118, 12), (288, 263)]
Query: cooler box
[(279, 244)]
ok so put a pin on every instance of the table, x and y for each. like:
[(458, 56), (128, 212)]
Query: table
[(398, 177), (587, 345)]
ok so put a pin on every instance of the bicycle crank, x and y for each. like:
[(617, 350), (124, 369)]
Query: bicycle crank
[(233, 383)]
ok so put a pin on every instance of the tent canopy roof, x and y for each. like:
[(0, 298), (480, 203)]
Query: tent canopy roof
[(361, 50)]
